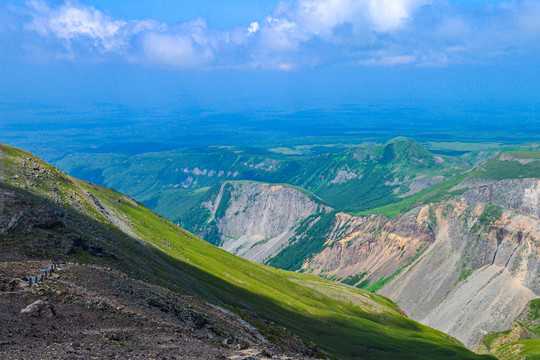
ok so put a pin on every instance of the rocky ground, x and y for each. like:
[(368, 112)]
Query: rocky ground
[(90, 312)]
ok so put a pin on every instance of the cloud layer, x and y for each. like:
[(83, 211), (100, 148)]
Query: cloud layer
[(305, 33)]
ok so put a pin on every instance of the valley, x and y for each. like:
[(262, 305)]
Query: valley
[(454, 241)]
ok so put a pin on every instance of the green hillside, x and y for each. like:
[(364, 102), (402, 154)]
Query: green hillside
[(120, 232), (352, 180)]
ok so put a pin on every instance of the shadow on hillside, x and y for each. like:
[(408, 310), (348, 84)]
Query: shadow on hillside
[(340, 335)]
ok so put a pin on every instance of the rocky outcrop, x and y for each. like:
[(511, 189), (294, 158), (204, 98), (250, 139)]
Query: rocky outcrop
[(509, 344), (256, 220), (475, 278), (467, 266), (518, 194), (39, 308), (373, 246)]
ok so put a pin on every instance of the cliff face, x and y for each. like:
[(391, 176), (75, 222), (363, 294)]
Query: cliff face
[(256, 220), (467, 266)]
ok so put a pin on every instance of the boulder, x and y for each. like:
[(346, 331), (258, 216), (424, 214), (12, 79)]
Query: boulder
[(40, 309)]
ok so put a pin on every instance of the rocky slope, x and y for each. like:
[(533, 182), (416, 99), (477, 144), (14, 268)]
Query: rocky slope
[(467, 266), (95, 312), (466, 263), (522, 341), (461, 255)]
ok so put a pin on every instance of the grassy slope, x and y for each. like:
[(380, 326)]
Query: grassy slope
[(345, 321)]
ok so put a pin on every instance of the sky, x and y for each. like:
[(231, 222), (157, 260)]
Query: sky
[(88, 56)]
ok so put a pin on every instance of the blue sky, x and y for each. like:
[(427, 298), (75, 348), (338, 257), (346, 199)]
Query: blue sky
[(266, 54)]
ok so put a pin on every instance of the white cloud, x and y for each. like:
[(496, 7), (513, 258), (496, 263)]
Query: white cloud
[(390, 60), (253, 27), (188, 45), (72, 21), (320, 17), (388, 15), (176, 50), (278, 34), (304, 33)]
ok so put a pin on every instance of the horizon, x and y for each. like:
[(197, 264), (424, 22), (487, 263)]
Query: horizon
[(72, 70)]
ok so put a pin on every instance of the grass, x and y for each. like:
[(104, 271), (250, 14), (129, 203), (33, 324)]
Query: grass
[(497, 169), (383, 281), (354, 279), (432, 194), (464, 273), (494, 169), (376, 286), (523, 350), (490, 214)]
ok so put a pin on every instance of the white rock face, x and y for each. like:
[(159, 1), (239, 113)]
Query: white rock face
[(260, 218)]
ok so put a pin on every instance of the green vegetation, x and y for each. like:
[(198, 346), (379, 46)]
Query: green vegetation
[(465, 272), (511, 168), (310, 239), (225, 199), (364, 283), (356, 179), (534, 313), (343, 320), (435, 193), (493, 169), (377, 285), (354, 279), (490, 214)]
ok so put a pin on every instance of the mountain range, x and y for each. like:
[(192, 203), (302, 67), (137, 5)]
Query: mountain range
[(453, 240)]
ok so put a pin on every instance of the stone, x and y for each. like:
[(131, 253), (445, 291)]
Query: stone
[(228, 341), (112, 337), (193, 318), (242, 344), (40, 309)]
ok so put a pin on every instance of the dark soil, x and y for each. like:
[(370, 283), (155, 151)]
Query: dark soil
[(102, 314)]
